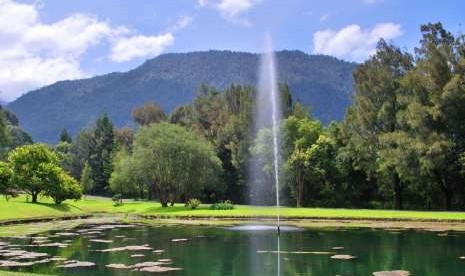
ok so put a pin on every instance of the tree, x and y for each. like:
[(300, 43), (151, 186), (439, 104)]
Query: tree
[(82, 148), (63, 150), (4, 139), (6, 187), (35, 170), (263, 189), (124, 179), (434, 112), (101, 154), (65, 137), (87, 183), (124, 138), (148, 113), (182, 115), (59, 185), (174, 161), (374, 113), (30, 165), (299, 135)]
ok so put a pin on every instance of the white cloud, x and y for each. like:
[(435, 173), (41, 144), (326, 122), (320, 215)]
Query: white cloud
[(34, 53), (126, 49), (232, 10), (352, 42), (181, 23)]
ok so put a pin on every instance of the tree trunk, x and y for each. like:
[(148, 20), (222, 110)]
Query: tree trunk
[(446, 190), (447, 200), (34, 197), (172, 198), (141, 192), (164, 198), (398, 193), (299, 195)]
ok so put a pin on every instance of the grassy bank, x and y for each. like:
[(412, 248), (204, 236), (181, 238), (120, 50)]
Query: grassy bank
[(7, 273), (18, 208)]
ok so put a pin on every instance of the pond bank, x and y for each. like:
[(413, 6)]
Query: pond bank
[(33, 227), (18, 214)]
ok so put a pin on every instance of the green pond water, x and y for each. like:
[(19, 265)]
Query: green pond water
[(225, 251)]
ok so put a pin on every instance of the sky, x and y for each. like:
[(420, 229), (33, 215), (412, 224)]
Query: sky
[(44, 41)]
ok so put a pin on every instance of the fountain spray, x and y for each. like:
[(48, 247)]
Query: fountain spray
[(269, 97)]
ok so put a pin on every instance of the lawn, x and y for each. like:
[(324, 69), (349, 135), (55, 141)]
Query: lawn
[(18, 208), (7, 273)]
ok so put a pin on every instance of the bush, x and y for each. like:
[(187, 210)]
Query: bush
[(225, 205), (117, 199), (193, 203), (10, 193)]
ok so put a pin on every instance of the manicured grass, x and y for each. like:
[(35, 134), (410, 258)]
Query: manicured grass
[(7, 273), (18, 208)]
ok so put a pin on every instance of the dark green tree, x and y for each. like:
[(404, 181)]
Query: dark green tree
[(65, 137), (101, 154)]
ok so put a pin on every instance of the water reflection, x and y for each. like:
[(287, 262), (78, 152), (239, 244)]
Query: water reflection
[(225, 251)]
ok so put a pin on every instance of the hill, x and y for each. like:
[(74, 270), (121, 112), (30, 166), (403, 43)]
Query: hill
[(324, 83)]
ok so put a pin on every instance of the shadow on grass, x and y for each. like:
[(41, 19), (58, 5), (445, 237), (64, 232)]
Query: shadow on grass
[(58, 207), (171, 209)]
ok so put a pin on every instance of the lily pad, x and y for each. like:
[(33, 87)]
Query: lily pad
[(73, 263), (392, 273), (343, 257)]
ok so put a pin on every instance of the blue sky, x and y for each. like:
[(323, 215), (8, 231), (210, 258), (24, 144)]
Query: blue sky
[(45, 41)]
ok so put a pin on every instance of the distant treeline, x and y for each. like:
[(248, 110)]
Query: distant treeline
[(401, 144)]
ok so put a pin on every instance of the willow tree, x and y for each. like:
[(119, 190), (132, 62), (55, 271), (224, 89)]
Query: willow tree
[(174, 161)]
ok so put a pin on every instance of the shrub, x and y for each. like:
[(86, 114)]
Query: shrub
[(10, 193), (117, 199), (193, 203), (225, 205)]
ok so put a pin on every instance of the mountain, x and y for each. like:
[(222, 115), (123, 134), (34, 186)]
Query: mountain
[(324, 83)]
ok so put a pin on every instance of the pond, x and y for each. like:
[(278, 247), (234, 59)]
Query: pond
[(141, 250)]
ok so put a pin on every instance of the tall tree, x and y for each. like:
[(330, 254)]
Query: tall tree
[(435, 112), (87, 183), (101, 155), (65, 137), (374, 114)]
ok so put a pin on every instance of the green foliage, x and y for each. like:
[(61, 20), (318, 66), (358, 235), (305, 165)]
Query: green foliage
[(30, 165), (101, 155), (4, 139), (225, 205), (65, 137), (117, 199), (87, 183), (125, 178), (193, 203), (35, 169), (6, 186), (170, 160), (61, 186)]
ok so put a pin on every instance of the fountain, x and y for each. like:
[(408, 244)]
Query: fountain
[(268, 96)]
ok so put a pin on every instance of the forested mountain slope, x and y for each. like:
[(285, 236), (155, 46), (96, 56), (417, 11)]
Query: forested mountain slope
[(324, 83)]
